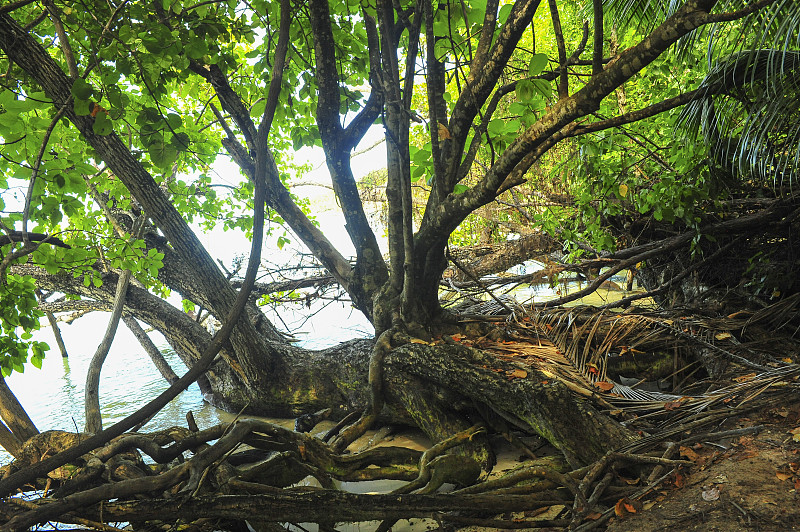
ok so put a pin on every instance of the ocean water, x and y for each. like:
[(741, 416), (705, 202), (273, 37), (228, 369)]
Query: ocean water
[(53, 395)]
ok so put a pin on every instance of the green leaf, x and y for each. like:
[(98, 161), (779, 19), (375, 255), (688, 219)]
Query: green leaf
[(196, 48), (102, 124), (81, 89), (258, 108), (82, 107), (460, 189), (537, 64), (496, 127), (162, 154), (525, 90), (174, 120), (543, 87), (180, 141)]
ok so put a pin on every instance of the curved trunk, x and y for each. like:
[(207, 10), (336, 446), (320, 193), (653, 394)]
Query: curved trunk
[(298, 382), (18, 426), (440, 388), (94, 421)]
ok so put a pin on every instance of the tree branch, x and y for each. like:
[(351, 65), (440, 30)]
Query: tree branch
[(597, 51), (563, 83), (562, 115)]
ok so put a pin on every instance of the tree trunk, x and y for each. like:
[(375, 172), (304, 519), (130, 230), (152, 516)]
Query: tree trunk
[(150, 348), (18, 426), (94, 421), (420, 380), (467, 383), (57, 333)]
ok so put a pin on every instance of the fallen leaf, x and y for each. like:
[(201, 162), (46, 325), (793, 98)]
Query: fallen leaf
[(672, 405), (745, 378), (537, 511), (710, 493), (444, 133), (626, 506), (519, 373), (604, 385), (744, 456), (723, 335), (619, 508), (688, 453), (419, 341), (783, 476)]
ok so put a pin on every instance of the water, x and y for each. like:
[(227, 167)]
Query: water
[(53, 395)]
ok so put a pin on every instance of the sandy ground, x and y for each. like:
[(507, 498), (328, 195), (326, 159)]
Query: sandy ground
[(749, 483)]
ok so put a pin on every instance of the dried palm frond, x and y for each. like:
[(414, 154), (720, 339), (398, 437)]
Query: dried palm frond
[(579, 342)]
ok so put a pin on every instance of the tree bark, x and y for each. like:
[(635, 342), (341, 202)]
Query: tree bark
[(62, 348), (94, 422), (326, 506), (18, 425), (150, 348), (462, 377), (504, 256)]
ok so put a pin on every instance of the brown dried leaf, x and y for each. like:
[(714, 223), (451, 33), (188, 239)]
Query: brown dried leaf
[(688, 453), (604, 385), (624, 507)]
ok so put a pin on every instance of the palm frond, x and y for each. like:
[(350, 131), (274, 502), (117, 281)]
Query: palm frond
[(749, 114), (585, 339), (641, 15)]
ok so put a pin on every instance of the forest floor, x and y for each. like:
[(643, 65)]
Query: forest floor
[(748, 483)]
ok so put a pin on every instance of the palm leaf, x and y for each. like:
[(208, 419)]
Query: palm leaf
[(585, 338), (749, 110), (749, 114)]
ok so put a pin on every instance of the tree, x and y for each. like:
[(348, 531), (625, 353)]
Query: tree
[(135, 97)]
